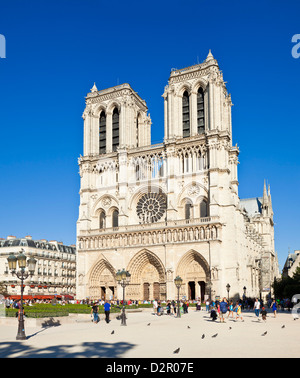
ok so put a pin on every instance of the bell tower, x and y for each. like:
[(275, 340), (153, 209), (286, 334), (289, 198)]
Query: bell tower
[(115, 118)]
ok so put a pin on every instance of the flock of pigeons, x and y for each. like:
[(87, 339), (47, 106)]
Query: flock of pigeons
[(202, 337)]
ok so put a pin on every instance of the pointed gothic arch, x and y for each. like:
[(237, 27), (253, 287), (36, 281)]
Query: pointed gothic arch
[(102, 279), (147, 274), (194, 270)]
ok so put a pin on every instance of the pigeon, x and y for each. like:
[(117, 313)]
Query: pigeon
[(215, 335), (177, 350), (112, 332), (148, 324), (203, 336), (283, 326), (264, 334)]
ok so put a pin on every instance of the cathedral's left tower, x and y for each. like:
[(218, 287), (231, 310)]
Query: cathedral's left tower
[(115, 120)]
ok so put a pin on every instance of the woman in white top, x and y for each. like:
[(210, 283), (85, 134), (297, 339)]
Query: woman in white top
[(256, 308)]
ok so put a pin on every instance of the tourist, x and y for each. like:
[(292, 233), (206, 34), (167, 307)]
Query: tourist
[(223, 310), (274, 307), (238, 308), (264, 314), (213, 314), (155, 305), (230, 308), (168, 308), (107, 307), (94, 313), (256, 308), (207, 303)]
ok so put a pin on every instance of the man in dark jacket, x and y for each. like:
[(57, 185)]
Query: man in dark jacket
[(223, 309)]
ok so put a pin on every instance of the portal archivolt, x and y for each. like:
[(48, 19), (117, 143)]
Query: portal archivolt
[(102, 282), (148, 279)]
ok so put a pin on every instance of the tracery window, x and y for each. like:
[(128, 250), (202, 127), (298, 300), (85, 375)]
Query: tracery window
[(151, 207), (185, 115), (102, 133)]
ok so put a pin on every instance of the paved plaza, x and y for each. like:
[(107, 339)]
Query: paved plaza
[(149, 336)]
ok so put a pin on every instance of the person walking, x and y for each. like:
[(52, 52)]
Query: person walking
[(263, 314), (107, 307), (230, 309), (223, 309), (207, 304), (257, 308), (238, 308), (274, 307), (94, 312)]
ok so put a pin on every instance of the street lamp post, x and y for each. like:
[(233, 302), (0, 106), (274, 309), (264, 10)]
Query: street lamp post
[(228, 289), (21, 275), (178, 283), (244, 288), (123, 278)]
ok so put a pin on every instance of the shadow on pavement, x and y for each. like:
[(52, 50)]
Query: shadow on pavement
[(95, 349)]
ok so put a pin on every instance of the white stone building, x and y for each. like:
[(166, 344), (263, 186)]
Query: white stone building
[(172, 208), (55, 272), (291, 264)]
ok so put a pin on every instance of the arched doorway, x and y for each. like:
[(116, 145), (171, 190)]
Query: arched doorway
[(148, 280), (194, 271), (102, 282)]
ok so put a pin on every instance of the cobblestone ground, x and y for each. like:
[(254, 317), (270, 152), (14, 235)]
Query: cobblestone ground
[(150, 336)]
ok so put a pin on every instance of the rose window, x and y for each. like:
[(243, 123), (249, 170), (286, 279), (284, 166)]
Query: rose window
[(151, 207)]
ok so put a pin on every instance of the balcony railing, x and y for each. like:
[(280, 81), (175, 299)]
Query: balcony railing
[(151, 226)]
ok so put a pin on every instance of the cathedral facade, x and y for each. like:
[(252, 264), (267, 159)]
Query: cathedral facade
[(169, 209)]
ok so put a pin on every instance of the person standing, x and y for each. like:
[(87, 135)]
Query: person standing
[(107, 311), (257, 308), (223, 310), (94, 312)]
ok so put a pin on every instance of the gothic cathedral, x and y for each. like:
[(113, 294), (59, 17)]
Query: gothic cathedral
[(169, 209)]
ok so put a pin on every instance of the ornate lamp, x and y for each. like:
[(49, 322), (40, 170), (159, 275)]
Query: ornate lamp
[(22, 275), (123, 279), (228, 289), (178, 283)]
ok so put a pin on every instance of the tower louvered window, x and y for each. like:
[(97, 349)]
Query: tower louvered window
[(185, 115), (115, 129), (102, 133), (203, 208), (102, 220), (115, 218), (200, 111)]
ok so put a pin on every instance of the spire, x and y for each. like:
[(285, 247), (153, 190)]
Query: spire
[(209, 56), (94, 89), (265, 196)]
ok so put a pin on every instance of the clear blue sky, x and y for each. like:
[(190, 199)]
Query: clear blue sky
[(57, 49)]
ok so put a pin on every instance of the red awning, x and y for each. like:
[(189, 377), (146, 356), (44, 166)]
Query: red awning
[(18, 297)]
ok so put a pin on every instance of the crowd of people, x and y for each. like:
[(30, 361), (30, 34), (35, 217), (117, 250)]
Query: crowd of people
[(217, 309), (224, 309)]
